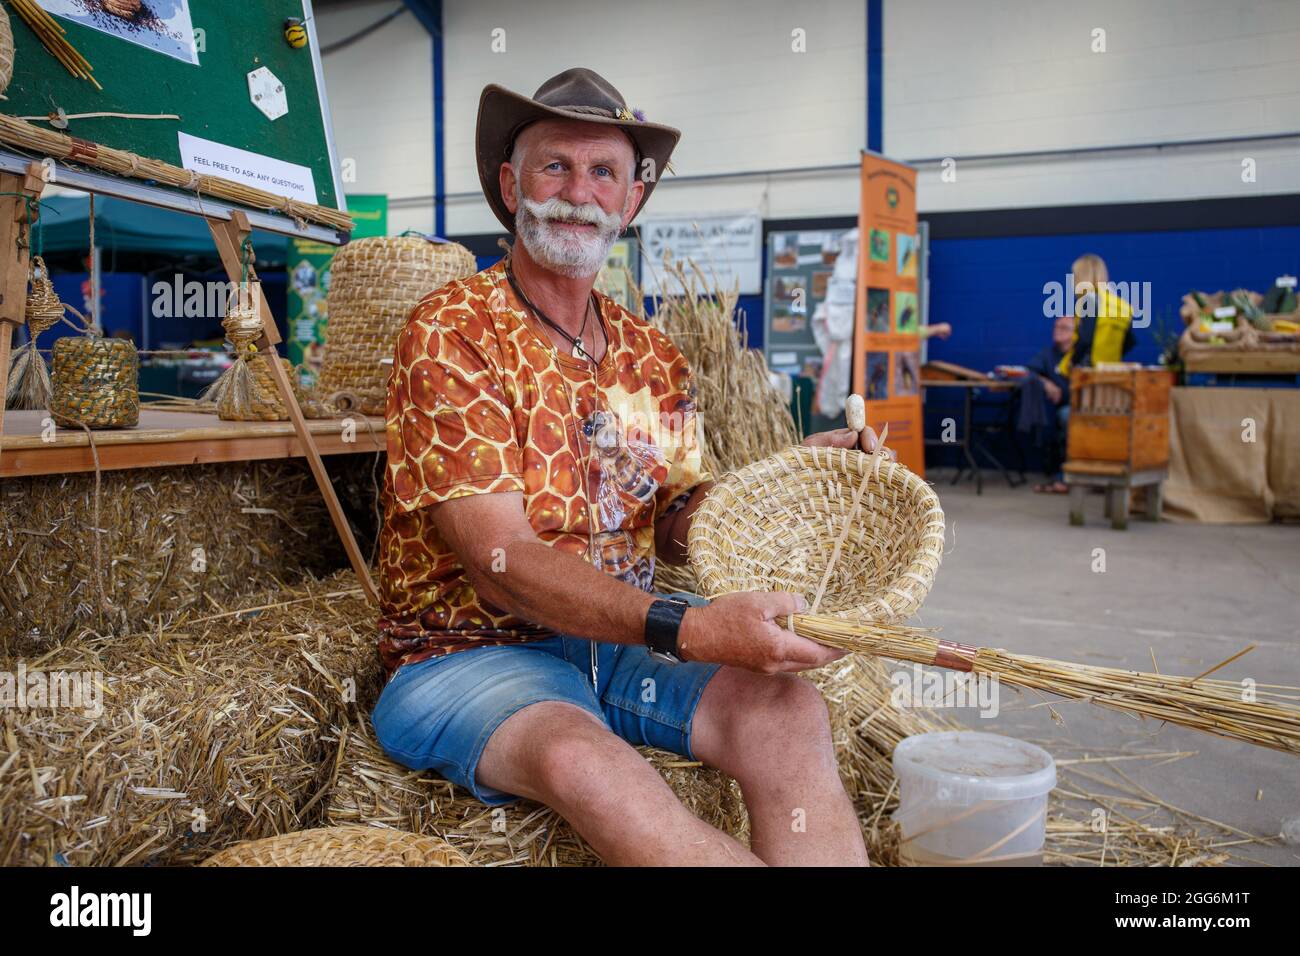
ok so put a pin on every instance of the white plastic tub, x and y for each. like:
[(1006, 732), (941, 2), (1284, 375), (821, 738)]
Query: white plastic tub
[(972, 799)]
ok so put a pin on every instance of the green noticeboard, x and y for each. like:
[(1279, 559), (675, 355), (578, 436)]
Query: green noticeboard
[(308, 266), (249, 103)]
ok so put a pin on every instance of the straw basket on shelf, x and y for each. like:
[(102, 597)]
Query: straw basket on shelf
[(96, 381), (780, 523), (374, 284), (342, 846)]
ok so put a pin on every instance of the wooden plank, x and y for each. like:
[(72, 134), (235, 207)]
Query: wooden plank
[(27, 430), (1150, 442), (1242, 360), (1080, 467), (77, 457), (229, 236), (1099, 437)]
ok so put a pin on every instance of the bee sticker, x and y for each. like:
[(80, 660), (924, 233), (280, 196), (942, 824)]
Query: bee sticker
[(295, 33)]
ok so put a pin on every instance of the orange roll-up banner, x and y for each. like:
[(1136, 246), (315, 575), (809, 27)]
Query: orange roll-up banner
[(886, 337)]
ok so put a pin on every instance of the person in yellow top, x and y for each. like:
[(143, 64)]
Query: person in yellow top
[(1103, 320)]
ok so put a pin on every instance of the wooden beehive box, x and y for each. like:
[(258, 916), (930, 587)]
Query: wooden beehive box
[(1120, 417)]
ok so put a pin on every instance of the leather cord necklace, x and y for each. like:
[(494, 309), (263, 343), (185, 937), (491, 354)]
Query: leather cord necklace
[(578, 349)]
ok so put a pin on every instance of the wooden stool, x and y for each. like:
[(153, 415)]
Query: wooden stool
[(1118, 485), (1118, 438)]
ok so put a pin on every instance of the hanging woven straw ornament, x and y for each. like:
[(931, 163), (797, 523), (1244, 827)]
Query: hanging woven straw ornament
[(246, 392), (96, 380), (29, 380), (6, 51)]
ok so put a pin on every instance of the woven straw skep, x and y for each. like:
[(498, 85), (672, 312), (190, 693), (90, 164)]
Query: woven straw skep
[(29, 383), (775, 525), (374, 285), (341, 846), (96, 382)]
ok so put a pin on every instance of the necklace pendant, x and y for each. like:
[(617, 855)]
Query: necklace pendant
[(579, 351)]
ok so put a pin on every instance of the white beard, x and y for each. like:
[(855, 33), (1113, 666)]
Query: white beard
[(571, 256)]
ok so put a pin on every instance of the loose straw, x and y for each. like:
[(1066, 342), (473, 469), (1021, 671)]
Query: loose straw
[(1211, 706)]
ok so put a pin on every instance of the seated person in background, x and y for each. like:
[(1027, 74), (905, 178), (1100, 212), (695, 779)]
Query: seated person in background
[(1056, 395), (1103, 331)]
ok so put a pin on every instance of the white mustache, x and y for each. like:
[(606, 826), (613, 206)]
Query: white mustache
[(557, 208)]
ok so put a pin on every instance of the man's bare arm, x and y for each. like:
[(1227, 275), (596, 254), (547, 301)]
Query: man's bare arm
[(514, 570), (671, 530)]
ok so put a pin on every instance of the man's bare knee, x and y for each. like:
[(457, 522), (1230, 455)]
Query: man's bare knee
[(511, 760)]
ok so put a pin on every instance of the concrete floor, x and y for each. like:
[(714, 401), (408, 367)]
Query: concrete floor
[(1018, 576)]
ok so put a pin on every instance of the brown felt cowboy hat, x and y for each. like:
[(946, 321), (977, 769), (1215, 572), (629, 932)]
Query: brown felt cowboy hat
[(579, 94)]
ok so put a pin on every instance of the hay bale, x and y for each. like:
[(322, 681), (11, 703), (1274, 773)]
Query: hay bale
[(372, 789), (256, 523), (212, 732)]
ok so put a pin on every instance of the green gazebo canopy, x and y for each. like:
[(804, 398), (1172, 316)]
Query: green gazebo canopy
[(124, 226)]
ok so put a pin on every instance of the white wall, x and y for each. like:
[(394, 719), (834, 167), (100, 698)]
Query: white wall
[(381, 101), (724, 73), (962, 78)]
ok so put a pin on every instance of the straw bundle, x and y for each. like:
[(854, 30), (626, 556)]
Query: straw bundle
[(370, 788), (211, 733), (853, 533), (374, 285), (341, 846), (743, 416), (44, 142), (96, 382), (172, 540), (1214, 706)]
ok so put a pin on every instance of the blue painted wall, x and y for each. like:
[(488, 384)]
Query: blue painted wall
[(991, 289)]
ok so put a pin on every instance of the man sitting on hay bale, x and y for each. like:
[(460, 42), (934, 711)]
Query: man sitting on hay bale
[(542, 452)]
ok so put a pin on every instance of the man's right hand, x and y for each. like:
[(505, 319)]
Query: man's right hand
[(745, 630), (1052, 390)]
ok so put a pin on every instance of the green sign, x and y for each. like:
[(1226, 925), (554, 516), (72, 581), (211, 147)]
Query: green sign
[(308, 266)]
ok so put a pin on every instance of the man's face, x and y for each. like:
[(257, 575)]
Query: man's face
[(1063, 331), (572, 190)]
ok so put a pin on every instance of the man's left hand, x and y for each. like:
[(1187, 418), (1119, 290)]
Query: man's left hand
[(847, 438)]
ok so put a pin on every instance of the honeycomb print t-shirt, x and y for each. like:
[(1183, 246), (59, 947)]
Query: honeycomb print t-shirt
[(480, 401)]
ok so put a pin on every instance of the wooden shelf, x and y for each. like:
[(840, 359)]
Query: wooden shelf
[(1230, 361), (164, 438)]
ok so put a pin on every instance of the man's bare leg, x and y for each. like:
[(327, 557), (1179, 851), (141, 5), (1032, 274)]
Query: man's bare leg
[(562, 756), (772, 734)]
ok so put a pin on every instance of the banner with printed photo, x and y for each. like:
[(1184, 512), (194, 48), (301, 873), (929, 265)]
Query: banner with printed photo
[(161, 25), (886, 354)]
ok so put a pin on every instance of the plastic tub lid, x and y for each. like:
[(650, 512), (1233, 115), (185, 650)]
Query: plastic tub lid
[(1003, 768)]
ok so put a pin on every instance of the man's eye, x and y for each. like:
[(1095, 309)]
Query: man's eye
[(555, 165)]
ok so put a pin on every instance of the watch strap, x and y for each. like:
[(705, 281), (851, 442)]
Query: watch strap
[(663, 621)]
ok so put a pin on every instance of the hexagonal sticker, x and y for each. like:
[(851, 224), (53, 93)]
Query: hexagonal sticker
[(267, 93)]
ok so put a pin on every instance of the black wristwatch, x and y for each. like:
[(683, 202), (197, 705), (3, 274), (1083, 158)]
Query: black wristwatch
[(662, 622)]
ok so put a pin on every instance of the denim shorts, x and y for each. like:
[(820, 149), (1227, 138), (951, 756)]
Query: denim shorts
[(438, 713)]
